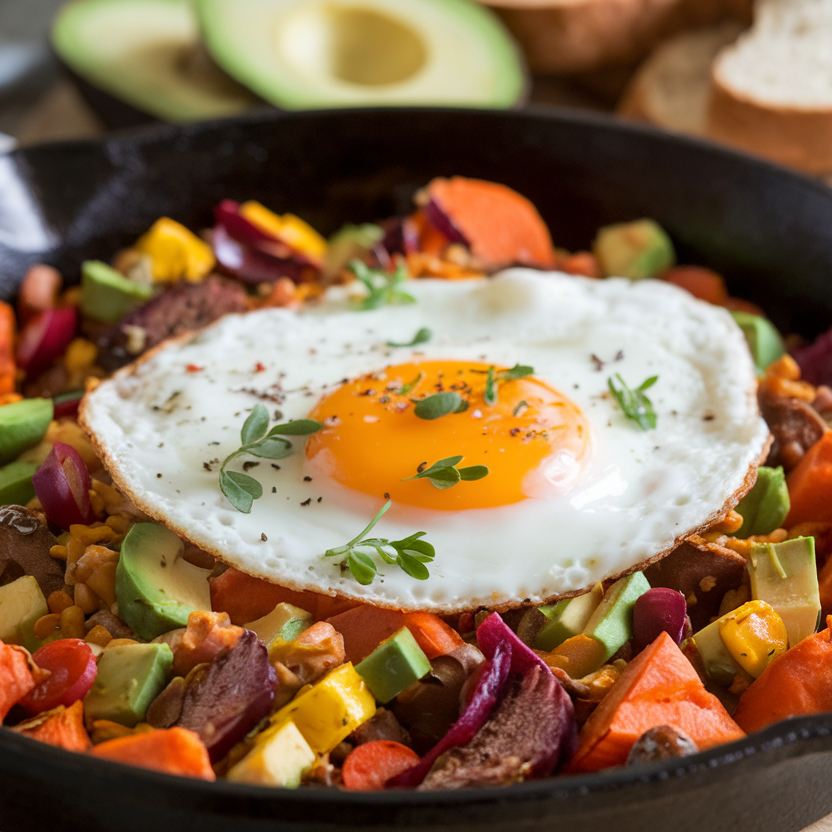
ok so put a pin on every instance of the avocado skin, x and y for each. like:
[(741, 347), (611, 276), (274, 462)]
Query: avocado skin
[(22, 425), (151, 558)]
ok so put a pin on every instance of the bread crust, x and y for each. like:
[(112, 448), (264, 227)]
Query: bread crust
[(795, 136), (571, 36)]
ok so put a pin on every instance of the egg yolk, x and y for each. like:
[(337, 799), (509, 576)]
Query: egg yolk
[(534, 441)]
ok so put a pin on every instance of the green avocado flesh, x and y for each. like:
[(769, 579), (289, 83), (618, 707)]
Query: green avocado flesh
[(156, 588), (148, 53), (349, 53)]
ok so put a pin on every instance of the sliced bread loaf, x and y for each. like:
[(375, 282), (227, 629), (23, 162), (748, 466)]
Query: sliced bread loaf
[(671, 89), (570, 36), (771, 91)]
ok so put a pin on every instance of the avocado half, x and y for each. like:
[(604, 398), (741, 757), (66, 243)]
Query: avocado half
[(147, 53), (307, 54)]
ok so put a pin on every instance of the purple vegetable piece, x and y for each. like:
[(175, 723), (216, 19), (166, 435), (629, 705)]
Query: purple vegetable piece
[(506, 656), (815, 361), (443, 223), (400, 236), (62, 484), (656, 611), (485, 696), (250, 265), (231, 696)]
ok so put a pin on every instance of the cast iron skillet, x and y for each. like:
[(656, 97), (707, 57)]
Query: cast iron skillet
[(767, 230)]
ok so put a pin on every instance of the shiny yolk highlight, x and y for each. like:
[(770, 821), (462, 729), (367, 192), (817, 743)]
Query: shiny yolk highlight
[(534, 440)]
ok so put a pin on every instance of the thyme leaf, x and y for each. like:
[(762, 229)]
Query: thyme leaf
[(445, 474), (383, 288), (634, 403)]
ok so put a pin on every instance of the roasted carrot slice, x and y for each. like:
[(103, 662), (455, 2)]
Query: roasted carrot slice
[(246, 598), (810, 485), (659, 687), (700, 282), (172, 750), (8, 367), (795, 684), (63, 727), (369, 766), (432, 634), (501, 226), (15, 677), (364, 628)]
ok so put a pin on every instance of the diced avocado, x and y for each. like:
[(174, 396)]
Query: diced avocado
[(147, 53), (394, 665), (107, 295), (21, 605), (16, 483), (765, 506), (349, 242), (328, 711), (22, 425), (284, 623), (764, 340), (278, 760), (567, 618), (636, 250), (719, 663), (784, 575), (612, 621), (129, 678), (156, 588), (349, 54)]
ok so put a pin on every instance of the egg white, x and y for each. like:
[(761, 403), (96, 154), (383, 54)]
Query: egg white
[(162, 432)]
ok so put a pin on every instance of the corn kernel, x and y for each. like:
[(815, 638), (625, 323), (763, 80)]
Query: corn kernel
[(113, 501), (86, 599), (754, 635), (121, 642), (102, 582), (58, 551), (99, 635), (58, 601), (80, 355), (72, 623), (47, 625)]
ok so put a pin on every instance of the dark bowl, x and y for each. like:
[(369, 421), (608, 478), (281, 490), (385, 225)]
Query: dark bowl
[(767, 230)]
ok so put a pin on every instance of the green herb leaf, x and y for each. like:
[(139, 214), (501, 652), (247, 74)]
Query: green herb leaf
[(241, 489), (445, 474), (634, 403), (300, 427), (409, 554), (440, 404), (383, 289), (238, 497), (255, 426), (406, 388), (493, 379), (421, 337)]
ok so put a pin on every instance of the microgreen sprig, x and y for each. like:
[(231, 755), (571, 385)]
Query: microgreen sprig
[(493, 379), (382, 288), (440, 404), (410, 554), (421, 337), (634, 403), (445, 474), (242, 489)]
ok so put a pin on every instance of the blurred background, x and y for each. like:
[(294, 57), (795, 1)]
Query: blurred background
[(83, 67)]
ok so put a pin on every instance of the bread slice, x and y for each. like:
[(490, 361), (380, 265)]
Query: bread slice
[(771, 92), (570, 36), (671, 89)]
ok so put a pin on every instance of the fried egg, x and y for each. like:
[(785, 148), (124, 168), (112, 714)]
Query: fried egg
[(576, 491)]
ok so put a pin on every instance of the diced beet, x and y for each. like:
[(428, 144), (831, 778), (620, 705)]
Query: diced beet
[(815, 361), (443, 223), (66, 405), (235, 692), (656, 611), (62, 484), (44, 339), (400, 236)]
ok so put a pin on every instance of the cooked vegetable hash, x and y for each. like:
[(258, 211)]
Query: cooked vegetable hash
[(120, 639)]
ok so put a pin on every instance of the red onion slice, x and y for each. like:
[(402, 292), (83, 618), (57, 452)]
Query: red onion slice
[(443, 223), (44, 339), (62, 484), (815, 361)]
